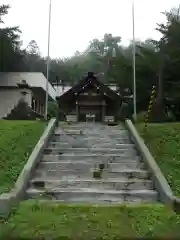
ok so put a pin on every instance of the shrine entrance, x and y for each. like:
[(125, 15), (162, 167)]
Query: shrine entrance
[(90, 113), (90, 100)]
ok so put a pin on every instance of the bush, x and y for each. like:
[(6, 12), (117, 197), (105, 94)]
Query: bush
[(53, 110), (22, 112)]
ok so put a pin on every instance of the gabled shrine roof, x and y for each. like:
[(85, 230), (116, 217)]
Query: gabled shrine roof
[(90, 79)]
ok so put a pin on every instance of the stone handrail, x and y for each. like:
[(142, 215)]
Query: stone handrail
[(7, 200), (160, 181)]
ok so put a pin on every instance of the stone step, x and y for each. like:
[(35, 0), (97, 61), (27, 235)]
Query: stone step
[(62, 138), (87, 144), (90, 157), (86, 127), (64, 141), (86, 166), (109, 140), (80, 173), (94, 196), (115, 145), (123, 134), (135, 184), (68, 134), (128, 152), (68, 131), (91, 133), (107, 203), (58, 143), (90, 130), (105, 130)]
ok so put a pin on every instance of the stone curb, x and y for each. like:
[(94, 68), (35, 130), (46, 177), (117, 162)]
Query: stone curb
[(161, 184), (8, 200)]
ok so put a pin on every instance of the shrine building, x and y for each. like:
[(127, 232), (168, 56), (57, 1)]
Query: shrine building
[(90, 100)]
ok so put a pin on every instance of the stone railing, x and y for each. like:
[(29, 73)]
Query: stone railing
[(160, 182), (17, 193)]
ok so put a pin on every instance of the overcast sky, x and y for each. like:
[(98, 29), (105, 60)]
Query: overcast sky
[(76, 22)]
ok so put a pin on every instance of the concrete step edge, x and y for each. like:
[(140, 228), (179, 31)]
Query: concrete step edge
[(135, 180), (86, 155), (92, 132), (89, 148), (99, 203), (89, 163), (103, 145), (138, 170), (95, 138), (113, 192), (116, 144)]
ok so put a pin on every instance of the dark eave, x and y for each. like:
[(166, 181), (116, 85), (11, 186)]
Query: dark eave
[(82, 85)]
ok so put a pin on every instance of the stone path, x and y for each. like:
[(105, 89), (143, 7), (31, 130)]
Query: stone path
[(92, 163)]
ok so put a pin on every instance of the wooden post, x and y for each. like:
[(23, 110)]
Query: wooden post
[(103, 111), (77, 111)]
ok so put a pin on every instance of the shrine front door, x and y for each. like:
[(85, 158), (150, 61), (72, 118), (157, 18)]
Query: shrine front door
[(90, 114)]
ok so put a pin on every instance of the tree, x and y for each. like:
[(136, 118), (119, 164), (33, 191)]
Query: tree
[(32, 48), (12, 58), (34, 62), (157, 62), (168, 58), (3, 11), (103, 51)]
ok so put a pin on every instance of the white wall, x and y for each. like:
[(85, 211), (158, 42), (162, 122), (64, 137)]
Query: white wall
[(39, 102), (59, 90), (9, 98)]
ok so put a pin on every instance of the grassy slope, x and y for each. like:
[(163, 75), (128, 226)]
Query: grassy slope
[(17, 139), (33, 219), (61, 221), (163, 141)]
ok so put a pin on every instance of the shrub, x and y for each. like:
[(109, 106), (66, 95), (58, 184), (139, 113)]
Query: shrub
[(53, 109), (22, 112)]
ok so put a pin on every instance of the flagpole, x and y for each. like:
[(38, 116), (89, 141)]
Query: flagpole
[(48, 61), (134, 64)]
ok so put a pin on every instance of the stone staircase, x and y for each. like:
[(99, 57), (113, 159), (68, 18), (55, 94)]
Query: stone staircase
[(91, 163), (71, 118)]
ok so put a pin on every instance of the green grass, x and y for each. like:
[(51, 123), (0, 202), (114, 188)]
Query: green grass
[(141, 117), (60, 221), (47, 220), (17, 140), (163, 140)]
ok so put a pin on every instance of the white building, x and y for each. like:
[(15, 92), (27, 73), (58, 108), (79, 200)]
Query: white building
[(35, 93)]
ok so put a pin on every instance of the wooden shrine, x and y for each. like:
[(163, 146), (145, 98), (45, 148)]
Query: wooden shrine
[(90, 100)]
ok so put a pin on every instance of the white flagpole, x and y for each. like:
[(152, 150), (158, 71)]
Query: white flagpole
[(134, 63), (48, 61)]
